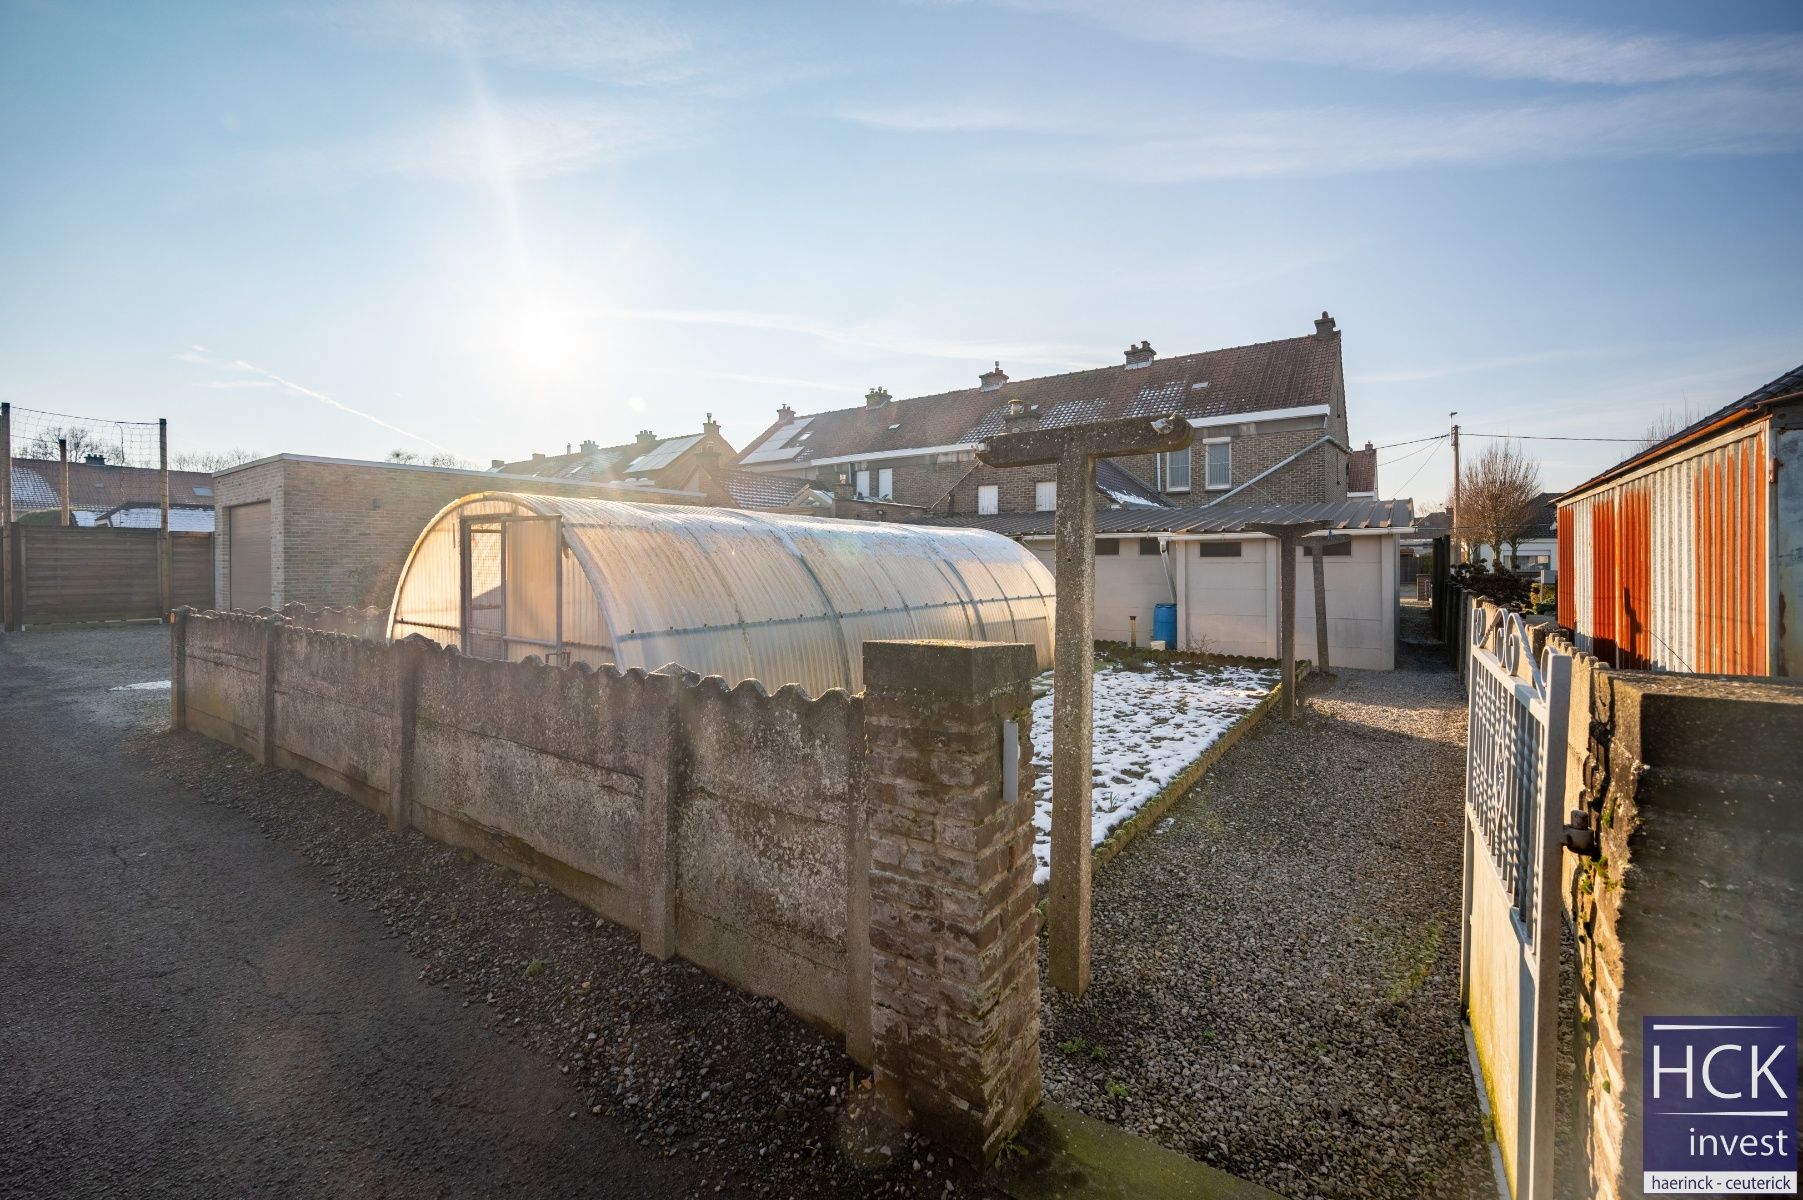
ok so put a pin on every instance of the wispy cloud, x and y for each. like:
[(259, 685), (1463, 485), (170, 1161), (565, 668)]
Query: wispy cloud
[(839, 388), (1468, 43), (1685, 120), (621, 43), (522, 140), (1511, 362), (1058, 354), (254, 376)]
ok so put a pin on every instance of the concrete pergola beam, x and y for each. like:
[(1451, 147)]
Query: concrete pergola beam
[(1075, 448)]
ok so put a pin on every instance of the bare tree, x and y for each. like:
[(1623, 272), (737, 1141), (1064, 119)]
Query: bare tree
[(211, 461), (1664, 425), (1497, 501), (430, 460), (82, 442)]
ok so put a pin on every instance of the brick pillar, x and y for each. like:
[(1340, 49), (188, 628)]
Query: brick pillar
[(953, 916)]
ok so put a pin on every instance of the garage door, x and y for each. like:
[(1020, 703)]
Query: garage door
[(248, 545)]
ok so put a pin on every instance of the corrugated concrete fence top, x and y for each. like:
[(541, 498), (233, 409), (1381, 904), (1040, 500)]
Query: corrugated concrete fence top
[(742, 595)]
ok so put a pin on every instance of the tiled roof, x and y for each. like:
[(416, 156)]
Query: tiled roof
[(1122, 487), (1361, 470), (603, 464), (1342, 514), (1546, 515), (96, 487), (1787, 386), (1291, 373), (759, 489)]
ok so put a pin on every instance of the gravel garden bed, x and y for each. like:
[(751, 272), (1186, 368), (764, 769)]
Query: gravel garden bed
[(1276, 962)]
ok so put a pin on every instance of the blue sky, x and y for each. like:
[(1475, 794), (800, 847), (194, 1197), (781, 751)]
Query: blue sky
[(492, 228)]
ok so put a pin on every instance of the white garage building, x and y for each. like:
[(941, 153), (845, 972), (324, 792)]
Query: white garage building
[(1222, 577)]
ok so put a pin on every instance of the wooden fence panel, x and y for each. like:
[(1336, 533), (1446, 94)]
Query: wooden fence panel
[(76, 574), (193, 570)]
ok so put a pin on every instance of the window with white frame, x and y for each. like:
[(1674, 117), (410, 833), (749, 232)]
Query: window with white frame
[(1217, 463), (861, 481), (1173, 471), (988, 499), (1045, 496), (885, 483)]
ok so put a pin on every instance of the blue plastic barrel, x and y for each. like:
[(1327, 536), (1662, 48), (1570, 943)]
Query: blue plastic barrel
[(1164, 625)]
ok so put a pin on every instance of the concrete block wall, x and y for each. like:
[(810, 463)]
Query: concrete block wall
[(1693, 904), (878, 880)]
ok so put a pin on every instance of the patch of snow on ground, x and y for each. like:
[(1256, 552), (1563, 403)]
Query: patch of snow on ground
[(1149, 725), (159, 685)]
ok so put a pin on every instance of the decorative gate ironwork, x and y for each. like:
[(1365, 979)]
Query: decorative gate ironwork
[(1509, 958)]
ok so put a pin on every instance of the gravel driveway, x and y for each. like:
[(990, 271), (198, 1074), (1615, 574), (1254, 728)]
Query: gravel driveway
[(1276, 964)]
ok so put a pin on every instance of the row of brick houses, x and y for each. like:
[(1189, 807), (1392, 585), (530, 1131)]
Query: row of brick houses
[(1270, 421)]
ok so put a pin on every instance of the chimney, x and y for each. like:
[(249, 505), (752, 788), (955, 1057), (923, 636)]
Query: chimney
[(95, 460), (589, 445), (1140, 356), (646, 439), (1324, 327), (785, 414), (876, 397), (537, 457), (1020, 416), (495, 464), (993, 380), (710, 427)]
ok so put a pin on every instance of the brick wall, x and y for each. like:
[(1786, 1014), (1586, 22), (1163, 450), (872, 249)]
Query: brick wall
[(953, 923), (341, 531), (1256, 447)]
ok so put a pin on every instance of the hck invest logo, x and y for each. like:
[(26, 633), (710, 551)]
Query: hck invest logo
[(1721, 1105)]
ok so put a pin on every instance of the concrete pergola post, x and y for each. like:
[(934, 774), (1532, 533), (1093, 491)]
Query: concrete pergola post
[(1317, 552), (1289, 540), (1075, 449)]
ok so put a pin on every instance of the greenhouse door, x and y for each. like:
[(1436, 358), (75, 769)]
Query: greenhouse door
[(512, 587)]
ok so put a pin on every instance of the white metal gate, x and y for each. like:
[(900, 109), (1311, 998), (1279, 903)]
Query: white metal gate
[(1509, 962)]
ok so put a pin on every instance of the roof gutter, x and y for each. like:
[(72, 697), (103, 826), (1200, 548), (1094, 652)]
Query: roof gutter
[(1324, 440)]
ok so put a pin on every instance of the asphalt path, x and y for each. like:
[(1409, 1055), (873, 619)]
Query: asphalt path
[(186, 1010)]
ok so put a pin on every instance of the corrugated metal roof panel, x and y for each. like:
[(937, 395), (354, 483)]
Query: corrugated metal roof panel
[(1341, 514)]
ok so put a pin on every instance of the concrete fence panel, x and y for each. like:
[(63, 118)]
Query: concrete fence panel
[(878, 883)]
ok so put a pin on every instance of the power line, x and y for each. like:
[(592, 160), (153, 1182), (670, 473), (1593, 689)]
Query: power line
[(1411, 454), (1418, 470), (1392, 445), (1547, 437)]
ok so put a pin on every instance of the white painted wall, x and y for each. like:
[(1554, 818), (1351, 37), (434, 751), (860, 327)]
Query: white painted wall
[(1229, 605)]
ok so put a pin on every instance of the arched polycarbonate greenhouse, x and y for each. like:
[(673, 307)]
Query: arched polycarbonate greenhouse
[(724, 592)]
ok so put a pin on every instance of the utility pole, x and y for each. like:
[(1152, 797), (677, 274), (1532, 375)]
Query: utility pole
[(6, 516), (165, 544), (1453, 552)]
